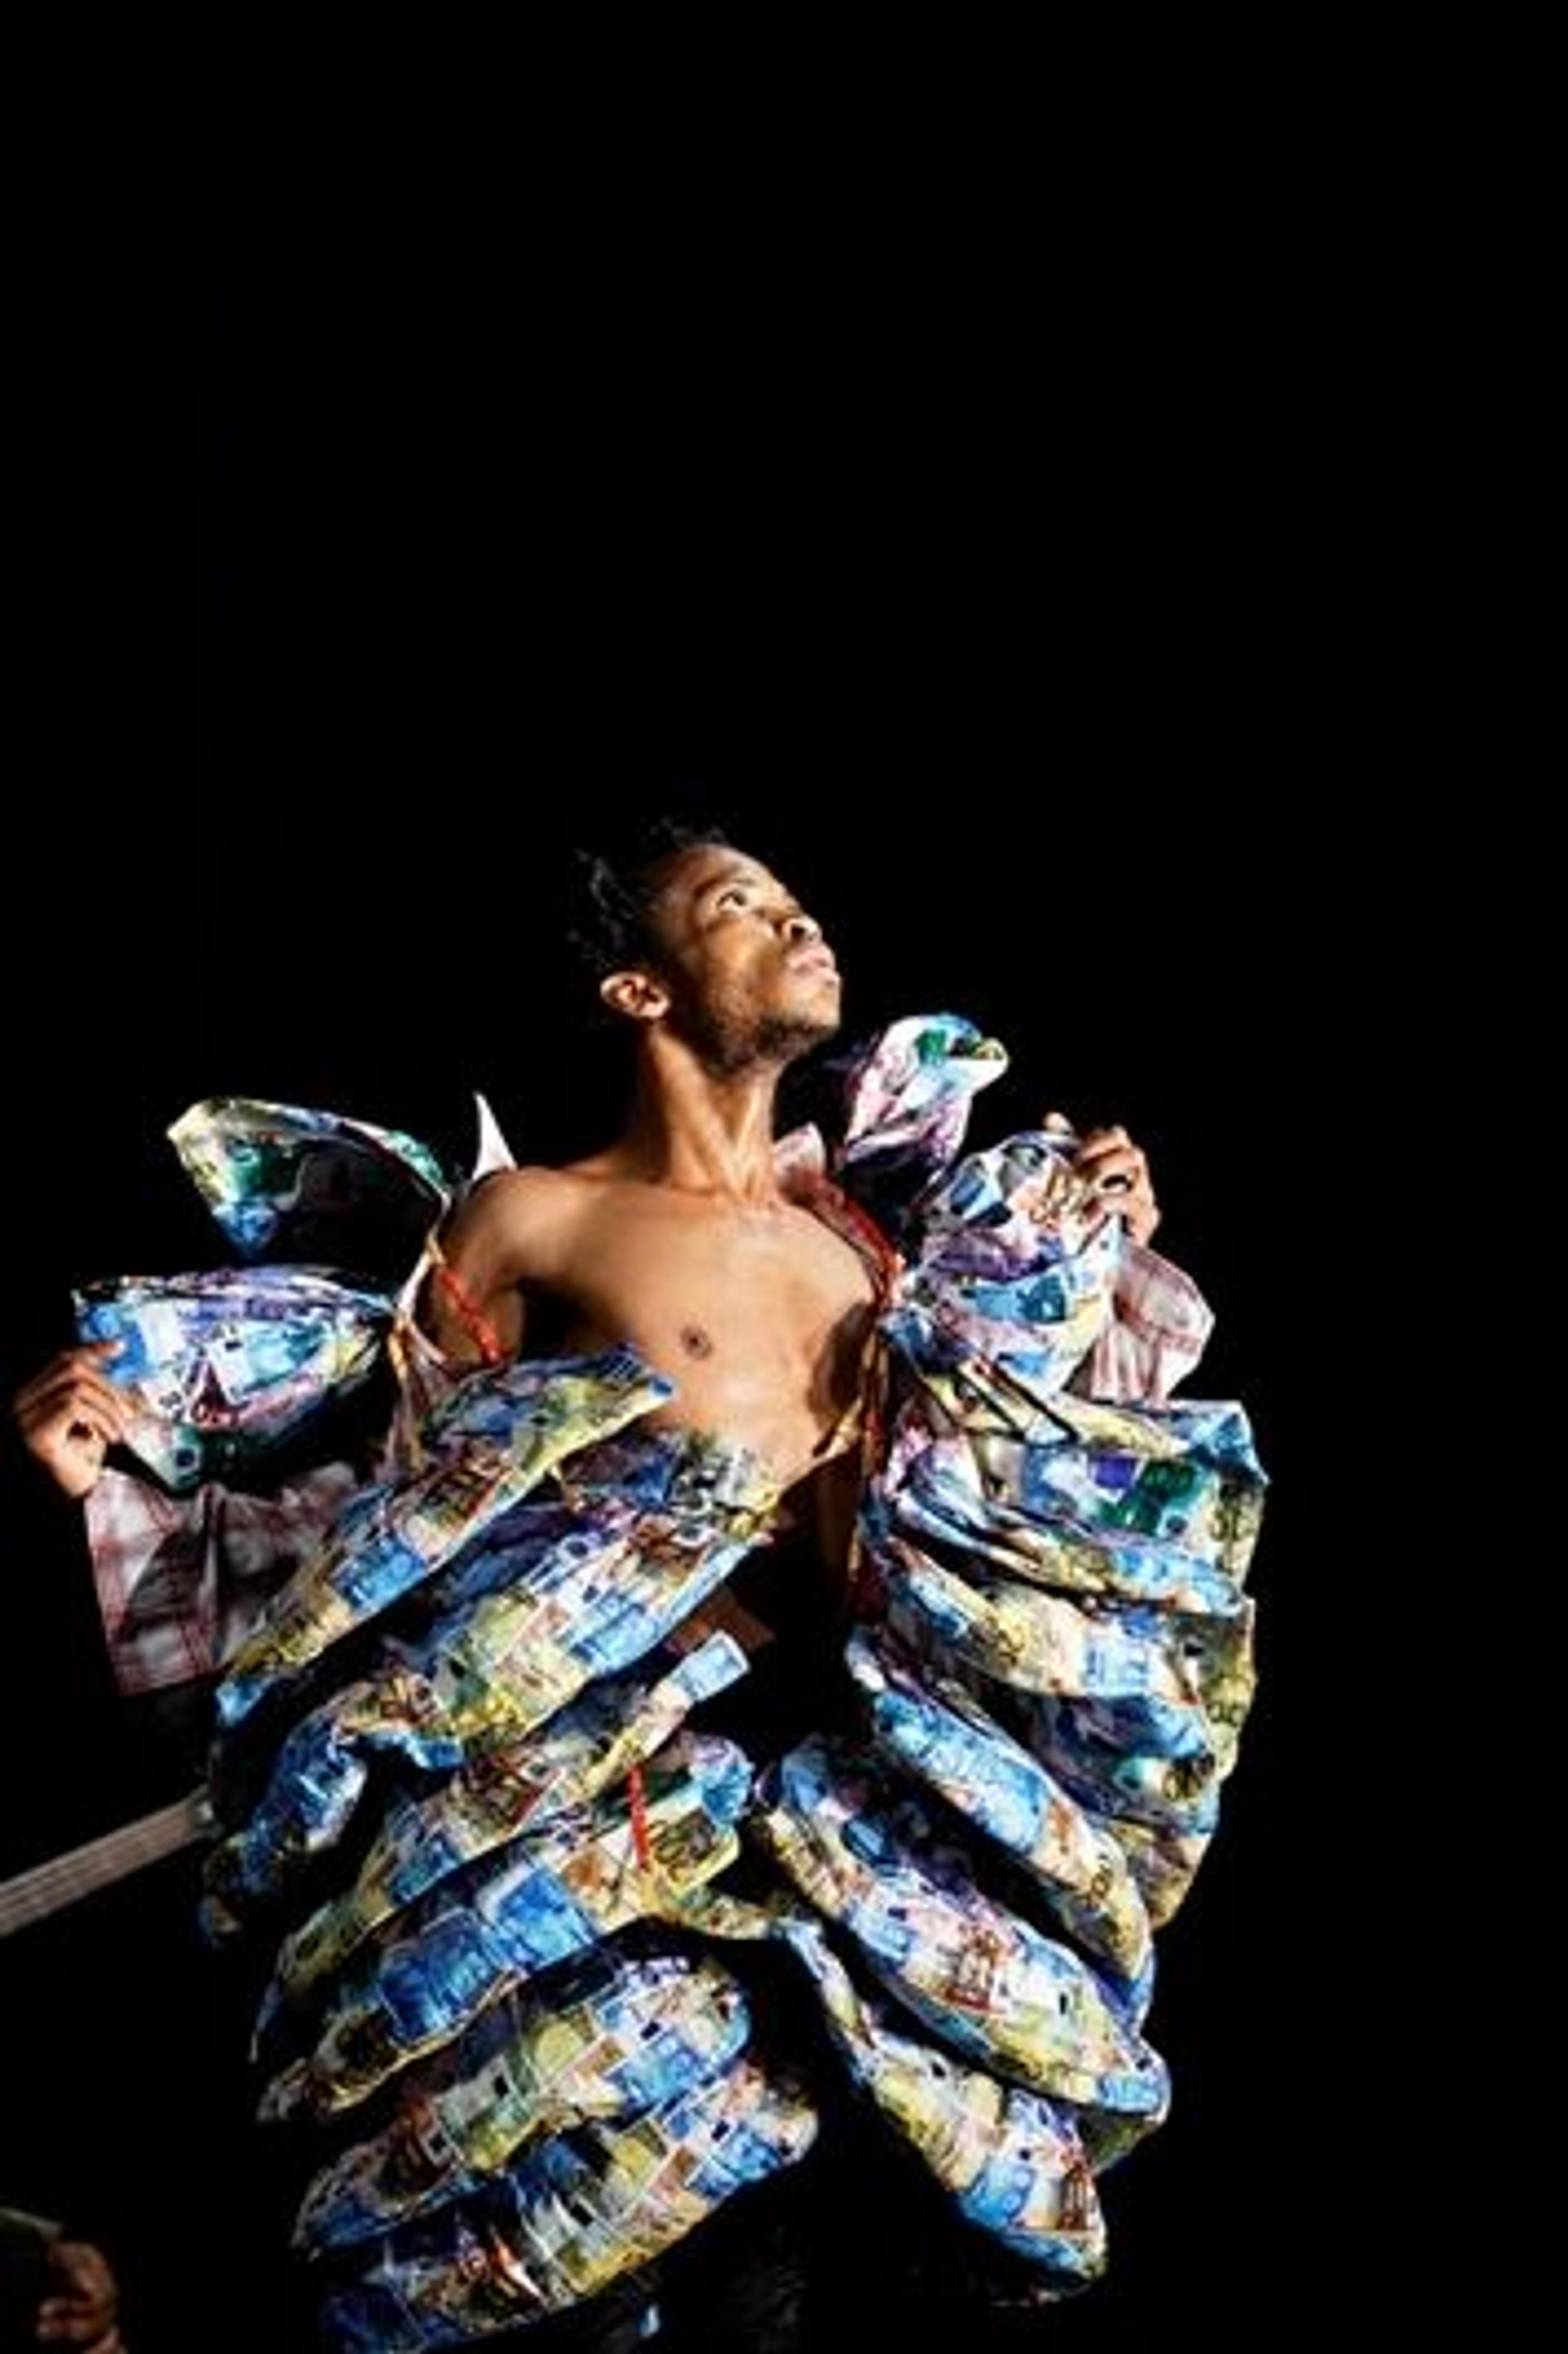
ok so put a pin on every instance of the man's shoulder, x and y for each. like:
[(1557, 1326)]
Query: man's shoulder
[(535, 1189)]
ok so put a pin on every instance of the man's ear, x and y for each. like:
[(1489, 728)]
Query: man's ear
[(634, 993)]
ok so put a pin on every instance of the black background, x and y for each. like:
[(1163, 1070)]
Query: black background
[(330, 644)]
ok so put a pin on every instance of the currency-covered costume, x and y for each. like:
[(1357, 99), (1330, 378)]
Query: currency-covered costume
[(507, 1837)]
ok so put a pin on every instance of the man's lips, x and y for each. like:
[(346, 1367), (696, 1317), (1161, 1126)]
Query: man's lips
[(814, 959)]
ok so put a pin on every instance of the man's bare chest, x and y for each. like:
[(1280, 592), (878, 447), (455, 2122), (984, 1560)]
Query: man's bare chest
[(719, 1281)]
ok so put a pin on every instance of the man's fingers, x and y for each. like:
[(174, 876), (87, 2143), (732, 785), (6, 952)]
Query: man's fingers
[(83, 1399), (1112, 1165), (1114, 1169), (89, 1388), (88, 1423), (72, 1364)]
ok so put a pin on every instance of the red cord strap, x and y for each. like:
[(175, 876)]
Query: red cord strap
[(473, 1320)]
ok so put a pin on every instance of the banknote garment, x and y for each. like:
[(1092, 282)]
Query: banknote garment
[(474, 1810)]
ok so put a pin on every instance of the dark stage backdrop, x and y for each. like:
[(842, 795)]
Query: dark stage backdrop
[(326, 881)]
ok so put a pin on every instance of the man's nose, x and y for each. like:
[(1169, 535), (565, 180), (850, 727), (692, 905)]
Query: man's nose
[(798, 926)]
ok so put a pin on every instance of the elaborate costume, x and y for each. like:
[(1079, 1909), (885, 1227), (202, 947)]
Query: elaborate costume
[(472, 1796)]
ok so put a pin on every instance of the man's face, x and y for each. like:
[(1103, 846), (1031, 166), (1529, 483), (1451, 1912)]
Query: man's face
[(749, 976)]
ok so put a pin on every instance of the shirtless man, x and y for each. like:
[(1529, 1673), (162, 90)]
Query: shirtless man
[(678, 1237), (681, 1238)]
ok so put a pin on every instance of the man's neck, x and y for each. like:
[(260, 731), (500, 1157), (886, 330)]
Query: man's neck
[(702, 1132)]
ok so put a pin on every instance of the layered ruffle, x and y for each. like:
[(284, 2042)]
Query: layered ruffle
[(508, 1879)]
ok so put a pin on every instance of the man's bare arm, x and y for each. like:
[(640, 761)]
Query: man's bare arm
[(505, 1237)]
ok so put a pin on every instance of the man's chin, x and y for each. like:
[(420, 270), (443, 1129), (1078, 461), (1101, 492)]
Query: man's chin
[(787, 1038)]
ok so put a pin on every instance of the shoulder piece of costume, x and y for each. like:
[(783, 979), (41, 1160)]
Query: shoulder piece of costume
[(329, 1214), (906, 1096)]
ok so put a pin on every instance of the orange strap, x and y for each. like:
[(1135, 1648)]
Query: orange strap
[(472, 1319)]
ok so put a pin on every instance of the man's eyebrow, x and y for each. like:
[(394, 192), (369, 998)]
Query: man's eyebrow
[(737, 870)]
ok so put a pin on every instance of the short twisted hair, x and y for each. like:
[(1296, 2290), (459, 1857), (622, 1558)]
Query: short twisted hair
[(613, 889)]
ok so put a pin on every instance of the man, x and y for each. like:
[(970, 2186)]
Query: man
[(566, 1730)]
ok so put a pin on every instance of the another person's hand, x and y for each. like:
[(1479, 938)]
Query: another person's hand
[(71, 1413), (1118, 1173), (83, 2304)]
